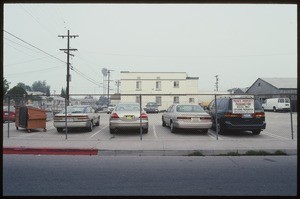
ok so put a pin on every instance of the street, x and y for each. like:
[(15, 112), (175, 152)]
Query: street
[(32, 175), (278, 128)]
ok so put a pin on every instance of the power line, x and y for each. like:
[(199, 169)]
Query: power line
[(33, 46)]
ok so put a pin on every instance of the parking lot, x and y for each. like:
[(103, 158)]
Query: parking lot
[(278, 128)]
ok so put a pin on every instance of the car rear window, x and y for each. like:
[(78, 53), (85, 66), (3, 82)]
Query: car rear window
[(128, 107), (5, 108), (189, 108), (71, 109)]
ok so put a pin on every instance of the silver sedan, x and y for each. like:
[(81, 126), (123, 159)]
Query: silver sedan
[(128, 116), (186, 116)]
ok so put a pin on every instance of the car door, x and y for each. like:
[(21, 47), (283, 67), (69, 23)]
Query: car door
[(167, 115)]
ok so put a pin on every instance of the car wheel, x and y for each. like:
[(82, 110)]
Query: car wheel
[(204, 130), (274, 109), (90, 128), (173, 129), (221, 129), (145, 130), (256, 132), (111, 131), (163, 122), (59, 130), (98, 123)]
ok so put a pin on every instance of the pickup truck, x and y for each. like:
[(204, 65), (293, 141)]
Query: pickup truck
[(79, 116)]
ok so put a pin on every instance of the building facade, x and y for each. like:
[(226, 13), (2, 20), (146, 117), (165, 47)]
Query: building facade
[(265, 88), (164, 88)]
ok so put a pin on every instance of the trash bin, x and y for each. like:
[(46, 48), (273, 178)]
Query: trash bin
[(30, 118)]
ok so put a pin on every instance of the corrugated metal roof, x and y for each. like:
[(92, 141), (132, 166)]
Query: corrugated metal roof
[(282, 82)]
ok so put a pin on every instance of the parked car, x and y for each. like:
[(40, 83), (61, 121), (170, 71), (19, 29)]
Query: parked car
[(186, 116), (151, 107), (128, 116), (238, 114), (110, 108), (9, 115), (277, 104), (78, 116)]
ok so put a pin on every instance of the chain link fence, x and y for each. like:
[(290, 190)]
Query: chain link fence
[(280, 124)]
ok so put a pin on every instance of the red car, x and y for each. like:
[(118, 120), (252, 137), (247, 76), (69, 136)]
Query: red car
[(11, 115)]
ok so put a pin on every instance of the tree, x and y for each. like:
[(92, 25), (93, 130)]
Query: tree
[(24, 86), (41, 86), (63, 93), (5, 86), (18, 94)]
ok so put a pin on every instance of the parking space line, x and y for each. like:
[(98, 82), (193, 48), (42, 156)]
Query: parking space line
[(98, 131), (214, 136), (274, 136), (154, 132)]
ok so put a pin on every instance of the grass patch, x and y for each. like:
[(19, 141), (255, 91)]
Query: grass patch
[(196, 153)]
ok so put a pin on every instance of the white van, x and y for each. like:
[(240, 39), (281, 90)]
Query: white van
[(277, 104)]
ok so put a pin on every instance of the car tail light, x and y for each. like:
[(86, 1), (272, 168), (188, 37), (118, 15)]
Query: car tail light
[(114, 115), (205, 118), (258, 115), (232, 115), (144, 116), (183, 118)]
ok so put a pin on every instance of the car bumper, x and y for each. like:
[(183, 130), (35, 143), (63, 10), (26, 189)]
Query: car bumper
[(78, 124), (192, 125), (127, 125), (229, 125)]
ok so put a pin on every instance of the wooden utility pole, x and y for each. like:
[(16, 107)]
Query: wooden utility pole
[(68, 61)]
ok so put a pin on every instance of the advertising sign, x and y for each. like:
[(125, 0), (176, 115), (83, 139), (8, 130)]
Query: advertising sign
[(242, 106)]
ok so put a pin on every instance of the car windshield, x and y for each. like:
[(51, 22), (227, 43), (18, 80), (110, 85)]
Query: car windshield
[(189, 108), (5, 108), (128, 107), (151, 104), (72, 109)]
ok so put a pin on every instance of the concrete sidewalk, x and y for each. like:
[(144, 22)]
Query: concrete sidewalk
[(144, 147)]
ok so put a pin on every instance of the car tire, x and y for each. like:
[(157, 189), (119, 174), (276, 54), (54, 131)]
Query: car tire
[(145, 130), (59, 130), (256, 132), (163, 122), (90, 128), (98, 122), (173, 129), (111, 131), (274, 109), (204, 130)]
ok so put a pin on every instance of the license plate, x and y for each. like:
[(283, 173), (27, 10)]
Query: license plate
[(5, 113), (247, 116), (195, 119), (129, 117)]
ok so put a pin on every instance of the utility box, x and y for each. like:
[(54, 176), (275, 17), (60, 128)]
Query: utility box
[(30, 118)]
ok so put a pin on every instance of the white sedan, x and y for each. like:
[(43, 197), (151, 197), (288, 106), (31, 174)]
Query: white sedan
[(79, 116), (186, 116)]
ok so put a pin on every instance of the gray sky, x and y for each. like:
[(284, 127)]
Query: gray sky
[(240, 43)]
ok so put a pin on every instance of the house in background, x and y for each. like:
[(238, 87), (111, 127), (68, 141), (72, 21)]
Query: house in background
[(164, 88), (264, 88), (238, 90)]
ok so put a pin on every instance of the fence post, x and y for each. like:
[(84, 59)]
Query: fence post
[(66, 118), (291, 113), (8, 97), (141, 129), (216, 117)]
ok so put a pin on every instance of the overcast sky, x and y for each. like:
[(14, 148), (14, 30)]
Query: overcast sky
[(238, 42)]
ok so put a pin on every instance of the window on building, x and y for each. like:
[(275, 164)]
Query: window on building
[(176, 84), (158, 85), (158, 100), (258, 84), (138, 85), (191, 100), (176, 99)]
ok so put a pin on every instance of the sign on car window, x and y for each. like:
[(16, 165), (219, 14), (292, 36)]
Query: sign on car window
[(242, 105)]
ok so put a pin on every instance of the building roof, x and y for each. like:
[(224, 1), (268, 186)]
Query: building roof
[(280, 82)]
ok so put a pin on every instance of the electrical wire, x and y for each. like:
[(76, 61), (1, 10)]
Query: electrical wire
[(33, 46)]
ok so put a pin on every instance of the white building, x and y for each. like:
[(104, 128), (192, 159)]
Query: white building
[(164, 88)]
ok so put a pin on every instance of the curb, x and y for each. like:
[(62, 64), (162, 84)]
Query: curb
[(82, 151), (48, 151)]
